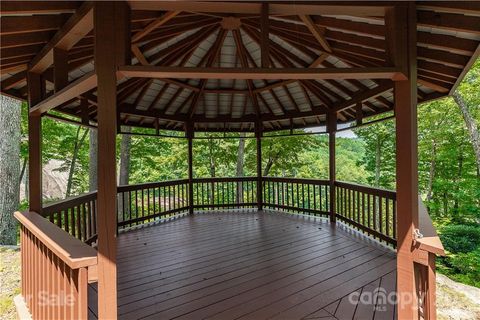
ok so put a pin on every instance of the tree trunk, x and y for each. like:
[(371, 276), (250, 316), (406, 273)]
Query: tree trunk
[(125, 145), (268, 167), (377, 162), (92, 167), (471, 126), (124, 177), (76, 148), (22, 172), (431, 175), (455, 212), (10, 120), (240, 163)]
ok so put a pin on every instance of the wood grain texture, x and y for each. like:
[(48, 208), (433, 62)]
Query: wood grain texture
[(248, 265)]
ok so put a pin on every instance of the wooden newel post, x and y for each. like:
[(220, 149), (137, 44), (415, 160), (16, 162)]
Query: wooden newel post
[(332, 128), (112, 49), (34, 144), (190, 134), (258, 136)]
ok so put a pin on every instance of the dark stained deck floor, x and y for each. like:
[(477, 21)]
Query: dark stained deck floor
[(251, 266)]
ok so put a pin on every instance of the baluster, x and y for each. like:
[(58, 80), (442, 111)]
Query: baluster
[(387, 217), (394, 218), (380, 213)]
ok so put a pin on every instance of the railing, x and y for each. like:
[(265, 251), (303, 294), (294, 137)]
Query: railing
[(226, 193), (307, 196), (427, 247), (371, 210), (76, 215), (143, 203), (56, 269)]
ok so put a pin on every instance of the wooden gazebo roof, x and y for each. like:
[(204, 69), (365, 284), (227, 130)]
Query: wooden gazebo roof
[(218, 35)]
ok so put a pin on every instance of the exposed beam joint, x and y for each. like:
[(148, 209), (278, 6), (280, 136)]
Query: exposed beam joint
[(73, 90), (318, 32), (77, 27)]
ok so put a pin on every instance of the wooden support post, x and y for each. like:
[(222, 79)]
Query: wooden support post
[(190, 134), (332, 128), (359, 113), (60, 69), (111, 21), (402, 46), (34, 144), (258, 136)]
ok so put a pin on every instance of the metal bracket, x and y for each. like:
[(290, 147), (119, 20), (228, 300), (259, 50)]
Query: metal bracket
[(417, 234)]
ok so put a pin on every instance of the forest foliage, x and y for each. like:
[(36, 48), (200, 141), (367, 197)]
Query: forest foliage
[(449, 179)]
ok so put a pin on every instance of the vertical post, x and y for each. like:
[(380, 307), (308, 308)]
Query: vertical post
[(60, 68), (190, 133), (332, 128), (111, 21), (258, 136), (34, 144), (401, 40)]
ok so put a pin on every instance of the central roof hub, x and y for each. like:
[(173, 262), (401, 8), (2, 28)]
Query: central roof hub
[(231, 23)]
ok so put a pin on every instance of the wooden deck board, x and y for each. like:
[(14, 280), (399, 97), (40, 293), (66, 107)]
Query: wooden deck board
[(248, 266)]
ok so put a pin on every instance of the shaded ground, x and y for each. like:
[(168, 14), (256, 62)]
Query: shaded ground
[(455, 301), (9, 281)]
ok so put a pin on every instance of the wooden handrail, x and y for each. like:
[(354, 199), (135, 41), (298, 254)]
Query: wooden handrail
[(69, 203), (377, 191), (224, 179), (147, 185), (429, 241), (72, 251), (297, 180)]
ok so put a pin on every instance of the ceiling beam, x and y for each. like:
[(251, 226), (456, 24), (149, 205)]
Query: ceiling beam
[(19, 25), (449, 21), (362, 96), (261, 73), (155, 24), (73, 90), (318, 32), (264, 38), (77, 27), (365, 9), (37, 7)]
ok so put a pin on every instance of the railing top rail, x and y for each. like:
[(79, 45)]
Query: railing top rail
[(297, 180), (146, 185), (72, 251), (69, 202), (378, 191), (225, 179)]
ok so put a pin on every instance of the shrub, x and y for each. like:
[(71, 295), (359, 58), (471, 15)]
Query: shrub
[(460, 238)]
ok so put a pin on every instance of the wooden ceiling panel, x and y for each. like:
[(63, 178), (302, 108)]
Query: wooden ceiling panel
[(282, 58)]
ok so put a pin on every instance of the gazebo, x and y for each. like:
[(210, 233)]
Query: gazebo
[(231, 248)]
